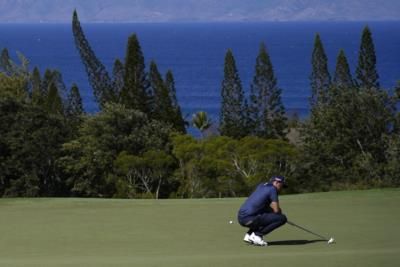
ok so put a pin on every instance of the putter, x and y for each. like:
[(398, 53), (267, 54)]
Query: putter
[(330, 240)]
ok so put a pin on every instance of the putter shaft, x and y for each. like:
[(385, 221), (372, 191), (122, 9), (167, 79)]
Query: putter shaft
[(308, 231)]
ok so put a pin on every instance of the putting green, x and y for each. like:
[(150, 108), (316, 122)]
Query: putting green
[(98, 232)]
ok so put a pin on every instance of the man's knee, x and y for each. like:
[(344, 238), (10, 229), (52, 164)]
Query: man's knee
[(283, 218)]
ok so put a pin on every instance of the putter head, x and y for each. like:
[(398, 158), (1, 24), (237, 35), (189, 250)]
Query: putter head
[(331, 241)]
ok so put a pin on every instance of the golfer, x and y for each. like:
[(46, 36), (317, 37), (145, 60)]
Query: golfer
[(261, 212)]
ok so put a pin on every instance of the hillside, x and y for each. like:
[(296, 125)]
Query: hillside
[(195, 10)]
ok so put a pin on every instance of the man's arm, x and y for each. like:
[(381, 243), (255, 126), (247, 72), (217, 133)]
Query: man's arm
[(275, 207)]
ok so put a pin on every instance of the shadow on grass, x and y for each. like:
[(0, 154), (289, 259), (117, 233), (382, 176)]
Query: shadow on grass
[(294, 242)]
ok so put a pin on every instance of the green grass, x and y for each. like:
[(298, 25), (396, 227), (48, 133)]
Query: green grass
[(96, 232)]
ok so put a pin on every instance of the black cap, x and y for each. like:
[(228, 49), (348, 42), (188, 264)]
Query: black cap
[(280, 179)]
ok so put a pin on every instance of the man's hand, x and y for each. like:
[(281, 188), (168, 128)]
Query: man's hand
[(275, 207)]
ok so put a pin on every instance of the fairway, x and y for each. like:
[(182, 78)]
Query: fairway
[(99, 232)]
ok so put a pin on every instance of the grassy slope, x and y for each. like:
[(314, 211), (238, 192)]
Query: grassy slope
[(95, 232)]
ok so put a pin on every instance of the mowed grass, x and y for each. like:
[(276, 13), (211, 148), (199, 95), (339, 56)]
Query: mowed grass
[(98, 232)]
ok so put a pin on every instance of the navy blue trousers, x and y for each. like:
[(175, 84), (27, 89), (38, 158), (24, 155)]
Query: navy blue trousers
[(264, 223)]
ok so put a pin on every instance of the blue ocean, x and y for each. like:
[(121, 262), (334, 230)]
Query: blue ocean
[(195, 53)]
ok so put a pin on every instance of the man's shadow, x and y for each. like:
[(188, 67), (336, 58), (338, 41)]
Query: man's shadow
[(294, 242)]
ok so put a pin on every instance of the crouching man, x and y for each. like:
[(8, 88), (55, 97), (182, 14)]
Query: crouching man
[(261, 212)]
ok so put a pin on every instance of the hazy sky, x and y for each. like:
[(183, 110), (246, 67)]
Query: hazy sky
[(198, 10)]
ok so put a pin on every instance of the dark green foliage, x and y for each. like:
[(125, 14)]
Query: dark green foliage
[(53, 95), (392, 168), (59, 82), (97, 73), (342, 77), (135, 92), (320, 77), (344, 140), (233, 113), (75, 106), (30, 141), (367, 75), (165, 107), (162, 105), (5, 63), (266, 111), (222, 166), (13, 86), (118, 74), (256, 160), (53, 102), (277, 116), (130, 85), (205, 168), (49, 147), (144, 175), (47, 80), (170, 84), (178, 121), (88, 160), (74, 112), (14, 78), (36, 87), (50, 78), (11, 68)]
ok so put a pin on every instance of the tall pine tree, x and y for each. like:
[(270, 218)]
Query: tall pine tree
[(59, 82), (97, 73), (36, 87), (135, 93), (178, 121), (233, 113), (266, 111), (367, 75), (276, 116), (320, 77), (5, 63), (118, 78), (53, 103), (342, 77), (46, 81), (75, 106), (74, 111), (162, 108)]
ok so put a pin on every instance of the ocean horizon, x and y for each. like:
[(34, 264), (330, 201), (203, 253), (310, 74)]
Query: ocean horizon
[(195, 53)]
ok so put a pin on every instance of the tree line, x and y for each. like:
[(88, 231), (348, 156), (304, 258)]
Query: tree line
[(136, 145), (349, 140)]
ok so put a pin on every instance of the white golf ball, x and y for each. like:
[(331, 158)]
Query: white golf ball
[(230, 222), (331, 240)]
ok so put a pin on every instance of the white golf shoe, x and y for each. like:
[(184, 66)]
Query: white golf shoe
[(257, 240), (247, 238)]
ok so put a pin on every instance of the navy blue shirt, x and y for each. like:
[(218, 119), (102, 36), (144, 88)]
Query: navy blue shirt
[(258, 202)]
